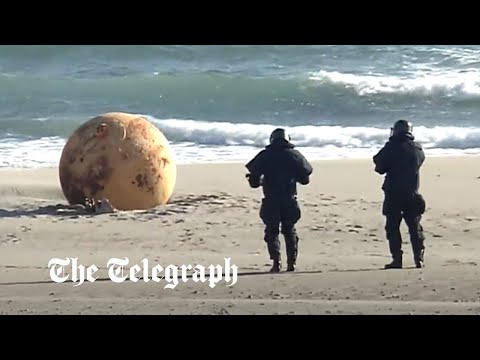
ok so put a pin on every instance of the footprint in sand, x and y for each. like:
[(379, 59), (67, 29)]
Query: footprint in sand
[(184, 238), (73, 217), (11, 239), (177, 211), (123, 218), (453, 262)]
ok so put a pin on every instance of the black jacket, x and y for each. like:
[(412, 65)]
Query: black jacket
[(281, 166), (400, 159)]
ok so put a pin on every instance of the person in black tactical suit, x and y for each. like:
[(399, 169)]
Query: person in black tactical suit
[(277, 169), (401, 159)]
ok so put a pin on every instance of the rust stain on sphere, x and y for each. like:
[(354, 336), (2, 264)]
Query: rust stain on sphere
[(121, 157)]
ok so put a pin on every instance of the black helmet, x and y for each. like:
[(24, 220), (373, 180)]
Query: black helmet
[(279, 134), (402, 127)]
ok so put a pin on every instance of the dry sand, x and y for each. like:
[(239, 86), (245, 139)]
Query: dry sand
[(214, 214)]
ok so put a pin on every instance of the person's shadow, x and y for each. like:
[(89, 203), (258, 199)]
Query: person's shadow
[(190, 276)]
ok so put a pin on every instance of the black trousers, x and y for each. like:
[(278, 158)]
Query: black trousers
[(398, 207), (281, 215)]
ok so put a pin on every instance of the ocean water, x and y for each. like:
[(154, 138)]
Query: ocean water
[(220, 103)]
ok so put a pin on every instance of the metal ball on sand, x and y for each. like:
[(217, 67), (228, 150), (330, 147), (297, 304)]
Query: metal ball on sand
[(120, 157)]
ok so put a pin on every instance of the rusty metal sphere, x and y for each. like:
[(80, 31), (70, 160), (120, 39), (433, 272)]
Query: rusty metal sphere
[(120, 157)]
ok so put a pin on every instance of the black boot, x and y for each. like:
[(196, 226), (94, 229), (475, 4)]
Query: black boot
[(419, 260), (395, 264), (274, 251), (291, 262), (290, 266), (277, 266), (292, 251)]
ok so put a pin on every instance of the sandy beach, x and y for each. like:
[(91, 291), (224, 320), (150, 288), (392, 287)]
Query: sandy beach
[(214, 215)]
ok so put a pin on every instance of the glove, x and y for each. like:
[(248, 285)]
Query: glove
[(253, 182)]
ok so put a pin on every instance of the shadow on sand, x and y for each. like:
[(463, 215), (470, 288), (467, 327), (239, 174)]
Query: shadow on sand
[(74, 211), (241, 274), (50, 210)]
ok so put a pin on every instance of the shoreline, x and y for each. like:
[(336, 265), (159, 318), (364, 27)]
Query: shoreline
[(241, 162)]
